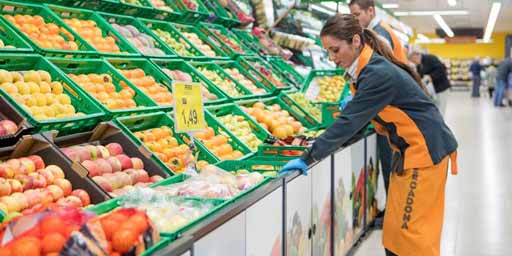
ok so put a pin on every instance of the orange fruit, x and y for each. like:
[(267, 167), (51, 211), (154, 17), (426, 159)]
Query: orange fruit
[(69, 229), (4, 251), (26, 246), (139, 222), (53, 242), (52, 224), (109, 227), (124, 239)]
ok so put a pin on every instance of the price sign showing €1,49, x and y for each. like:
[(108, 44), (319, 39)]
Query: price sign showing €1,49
[(188, 107)]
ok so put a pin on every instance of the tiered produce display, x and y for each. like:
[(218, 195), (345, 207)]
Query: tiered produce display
[(113, 177)]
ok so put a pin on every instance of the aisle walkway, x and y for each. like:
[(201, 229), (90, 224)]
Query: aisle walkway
[(478, 213)]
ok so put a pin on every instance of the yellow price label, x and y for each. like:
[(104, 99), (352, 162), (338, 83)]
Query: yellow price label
[(188, 107)]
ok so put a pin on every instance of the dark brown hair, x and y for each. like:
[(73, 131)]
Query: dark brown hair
[(363, 4), (345, 27)]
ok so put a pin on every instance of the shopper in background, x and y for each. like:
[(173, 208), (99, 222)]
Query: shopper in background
[(428, 64), (364, 11), (475, 68), (390, 95), (491, 79), (502, 73)]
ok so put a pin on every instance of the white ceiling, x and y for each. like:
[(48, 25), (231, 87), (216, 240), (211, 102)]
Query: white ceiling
[(477, 18)]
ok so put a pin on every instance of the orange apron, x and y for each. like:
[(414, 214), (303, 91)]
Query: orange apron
[(415, 202), (398, 49)]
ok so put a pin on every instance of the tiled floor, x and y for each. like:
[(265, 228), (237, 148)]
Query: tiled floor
[(478, 213)]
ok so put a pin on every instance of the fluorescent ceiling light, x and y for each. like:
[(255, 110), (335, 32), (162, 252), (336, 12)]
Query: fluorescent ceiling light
[(447, 30), (429, 13), (390, 6), (423, 37), (323, 9), (493, 16), (452, 2)]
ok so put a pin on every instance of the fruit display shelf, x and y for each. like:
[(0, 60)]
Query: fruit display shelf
[(287, 70), (173, 39), (240, 124), (280, 152), (12, 124), (165, 10), (12, 42), (247, 38), (110, 159), (222, 16), (111, 205), (224, 39), (96, 31), (267, 168), (35, 165), (31, 20), (21, 86), (213, 75), (148, 78), (299, 101), (102, 82), (193, 11), (265, 73), (195, 37), (170, 68), (168, 156), (139, 8), (138, 36), (245, 78)]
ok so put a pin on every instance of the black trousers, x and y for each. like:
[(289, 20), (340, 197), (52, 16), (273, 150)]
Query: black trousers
[(389, 253)]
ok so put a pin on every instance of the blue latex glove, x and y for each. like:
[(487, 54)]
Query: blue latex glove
[(344, 102), (295, 165)]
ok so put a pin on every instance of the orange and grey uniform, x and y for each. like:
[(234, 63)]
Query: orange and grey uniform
[(385, 31), (422, 144)]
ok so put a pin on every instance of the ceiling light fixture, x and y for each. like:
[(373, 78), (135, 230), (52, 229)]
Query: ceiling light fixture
[(430, 13), (493, 16), (390, 6), (447, 30), (423, 37), (452, 2)]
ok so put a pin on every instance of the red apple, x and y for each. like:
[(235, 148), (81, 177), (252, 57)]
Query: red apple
[(133, 175), (11, 203), (103, 166), (93, 150), (103, 151), (3, 208), (57, 171), (9, 126), (70, 201), (137, 163), (5, 188), (27, 182), (114, 149), (83, 195), (48, 176), (38, 180), (47, 197), (115, 164), (56, 192), (21, 199), (72, 154), (6, 171), (3, 131), (142, 176), (38, 161), (64, 184), (33, 196), (15, 165), (155, 178), (28, 165), (91, 167), (124, 179), (83, 153), (16, 185), (103, 183), (126, 162)]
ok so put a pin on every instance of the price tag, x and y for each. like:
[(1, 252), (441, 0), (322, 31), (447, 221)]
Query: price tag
[(188, 107)]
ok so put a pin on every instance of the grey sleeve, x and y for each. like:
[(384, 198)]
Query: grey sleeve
[(374, 93)]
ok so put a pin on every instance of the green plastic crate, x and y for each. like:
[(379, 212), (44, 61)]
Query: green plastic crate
[(304, 118), (96, 66), (167, 15), (246, 94), (218, 128), (81, 102), (247, 63), (248, 75), (249, 40), (288, 152), (143, 10), (221, 14), (126, 20), (219, 53), (130, 125), (288, 100), (167, 27), (192, 17), (251, 165), (106, 30), (185, 67), (233, 109), (13, 8), (287, 70), (9, 37), (208, 29), (314, 74)]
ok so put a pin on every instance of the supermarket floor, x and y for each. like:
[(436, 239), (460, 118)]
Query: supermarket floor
[(478, 201)]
